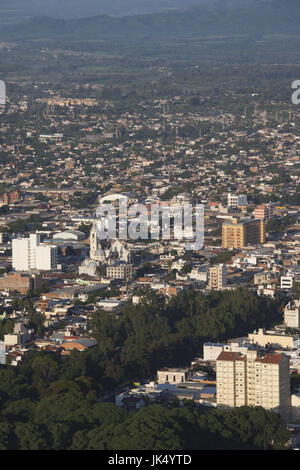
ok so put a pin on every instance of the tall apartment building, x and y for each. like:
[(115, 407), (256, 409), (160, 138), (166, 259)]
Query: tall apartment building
[(238, 233), (28, 254), (249, 380), (264, 211), (217, 276), (236, 200), (292, 314)]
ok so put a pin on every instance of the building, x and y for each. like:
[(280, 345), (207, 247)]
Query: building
[(89, 267), (21, 282), (78, 343), (292, 314), (236, 200), (211, 351), (240, 233), (263, 338), (11, 197), (263, 211), (249, 380), (120, 271), (172, 376), (265, 277), (217, 277), (70, 235), (57, 137), (109, 254), (20, 335), (28, 254)]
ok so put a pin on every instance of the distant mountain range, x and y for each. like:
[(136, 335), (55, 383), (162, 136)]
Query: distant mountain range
[(226, 17), (12, 11)]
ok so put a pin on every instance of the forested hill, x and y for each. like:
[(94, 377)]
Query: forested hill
[(256, 18)]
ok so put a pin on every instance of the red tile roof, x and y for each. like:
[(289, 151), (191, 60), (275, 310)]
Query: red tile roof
[(228, 356), (270, 359)]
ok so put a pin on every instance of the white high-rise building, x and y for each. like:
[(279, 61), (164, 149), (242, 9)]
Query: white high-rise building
[(28, 254)]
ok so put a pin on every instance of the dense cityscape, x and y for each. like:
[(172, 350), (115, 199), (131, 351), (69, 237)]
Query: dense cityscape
[(104, 338)]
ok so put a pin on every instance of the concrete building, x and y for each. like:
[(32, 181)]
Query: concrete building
[(217, 277), (249, 380), (292, 314), (172, 376), (236, 200), (28, 254), (120, 271), (19, 336), (265, 277), (240, 233)]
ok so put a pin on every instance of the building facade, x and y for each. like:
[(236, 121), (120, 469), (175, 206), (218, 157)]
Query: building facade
[(237, 200), (21, 282), (28, 254), (263, 211), (249, 380), (172, 376), (120, 271), (217, 277), (240, 233)]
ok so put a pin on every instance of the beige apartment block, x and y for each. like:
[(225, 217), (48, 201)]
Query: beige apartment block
[(249, 380), (217, 277)]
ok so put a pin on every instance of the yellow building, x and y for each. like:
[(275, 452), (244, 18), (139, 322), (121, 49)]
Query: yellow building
[(239, 233), (249, 380), (261, 338)]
